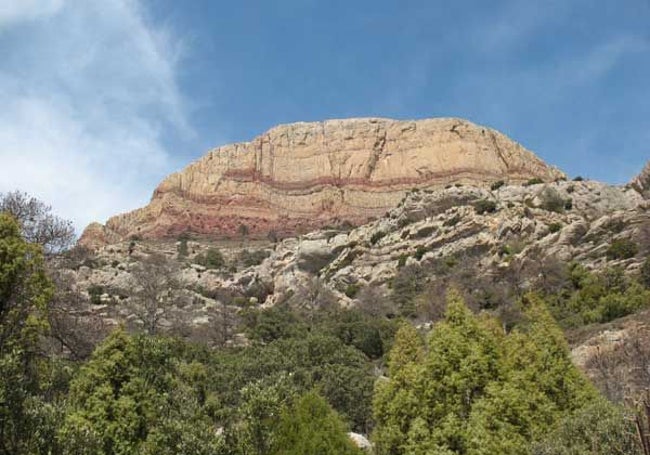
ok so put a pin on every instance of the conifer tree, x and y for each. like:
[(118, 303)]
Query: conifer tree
[(25, 292), (311, 427), (476, 390), (397, 400), (132, 398)]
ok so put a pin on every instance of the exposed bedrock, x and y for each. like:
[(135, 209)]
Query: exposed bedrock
[(303, 176)]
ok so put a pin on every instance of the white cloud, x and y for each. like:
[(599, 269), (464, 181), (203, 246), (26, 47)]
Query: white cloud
[(12, 11), (87, 91)]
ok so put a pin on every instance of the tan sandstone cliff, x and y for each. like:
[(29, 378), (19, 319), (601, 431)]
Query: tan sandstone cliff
[(641, 182), (302, 176)]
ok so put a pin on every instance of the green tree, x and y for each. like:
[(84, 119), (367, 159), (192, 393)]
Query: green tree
[(25, 292), (597, 429), (622, 249), (260, 413), (477, 390), (136, 395), (340, 373), (428, 397), (539, 385), (397, 400), (311, 427), (463, 358), (211, 259), (644, 273)]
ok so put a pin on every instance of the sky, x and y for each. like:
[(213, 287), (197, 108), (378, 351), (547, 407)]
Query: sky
[(101, 99)]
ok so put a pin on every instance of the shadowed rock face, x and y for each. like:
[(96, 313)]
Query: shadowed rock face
[(303, 176)]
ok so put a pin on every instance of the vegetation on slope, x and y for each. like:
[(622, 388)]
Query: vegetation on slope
[(491, 375)]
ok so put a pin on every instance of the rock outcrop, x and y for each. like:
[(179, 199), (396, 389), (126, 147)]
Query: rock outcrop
[(641, 182), (521, 223), (303, 176)]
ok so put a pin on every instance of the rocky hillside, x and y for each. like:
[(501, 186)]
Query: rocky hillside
[(434, 202), (472, 229), (300, 177)]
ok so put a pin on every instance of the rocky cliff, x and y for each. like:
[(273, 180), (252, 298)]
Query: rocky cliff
[(303, 176), (483, 232), (641, 182)]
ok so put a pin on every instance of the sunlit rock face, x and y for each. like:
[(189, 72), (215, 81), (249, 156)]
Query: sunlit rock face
[(641, 182), (303, 176)]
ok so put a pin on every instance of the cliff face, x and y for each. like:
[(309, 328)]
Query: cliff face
[(302, 176), (641, 182)]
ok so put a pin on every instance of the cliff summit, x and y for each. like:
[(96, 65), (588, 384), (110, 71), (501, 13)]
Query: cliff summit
[(302, 176)]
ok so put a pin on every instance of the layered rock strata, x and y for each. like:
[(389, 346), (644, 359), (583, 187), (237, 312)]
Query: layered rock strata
[(303, 176)]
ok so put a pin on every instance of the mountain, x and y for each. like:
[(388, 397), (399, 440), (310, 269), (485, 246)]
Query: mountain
[(484, 233), (303, 176), (420, 206)]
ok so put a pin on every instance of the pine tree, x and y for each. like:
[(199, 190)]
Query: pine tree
[(311, 427)]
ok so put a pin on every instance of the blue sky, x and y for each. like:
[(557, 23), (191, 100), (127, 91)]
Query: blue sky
[(101, 99)]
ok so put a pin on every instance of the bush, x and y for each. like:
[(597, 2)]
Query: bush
[(95, 292), (243, 230), (496, 185), (425, 232), (453, 221), (405, 221), (644, 274), (552, 201), (589, 297), (578, 178), (622, 249), (182, 245), (401, 262), (597, 429), (352, 290), (504, 250), (272, 236), (344, 262), (420, 252), (240, 301), (554, 227), (211, 259), (311, 427), (377, 236), (406, 285), (485, 206), (251, 258), (534, 181)]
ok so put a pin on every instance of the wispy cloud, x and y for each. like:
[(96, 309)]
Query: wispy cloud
[(12, 11), (513, 24), (88, 91), (578, 69)]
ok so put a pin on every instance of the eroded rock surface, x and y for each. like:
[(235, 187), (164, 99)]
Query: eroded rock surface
[(303, 176), (641, 182)]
